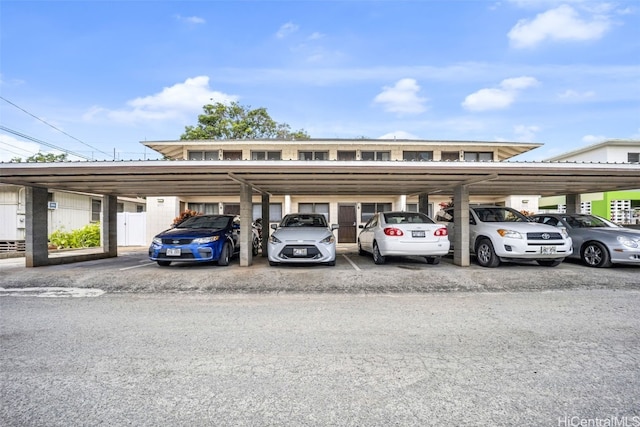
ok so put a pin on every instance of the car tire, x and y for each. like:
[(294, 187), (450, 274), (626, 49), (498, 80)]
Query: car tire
[(164, 263), (378, 258), (360, 250), (331, 263), (433, 260), (595, 254), (225, 255), (486, 255), (550, 262)]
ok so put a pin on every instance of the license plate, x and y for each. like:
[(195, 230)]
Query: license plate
[(547, 250), (174, 251), (419, 233), (299, 251)]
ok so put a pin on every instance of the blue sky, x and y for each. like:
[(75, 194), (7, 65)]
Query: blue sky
[(98, 77)]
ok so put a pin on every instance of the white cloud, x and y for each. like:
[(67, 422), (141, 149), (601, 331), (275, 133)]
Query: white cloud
[(498, 98), (593, 139), (399, 134), (561, 23), (573, 95), (316, 36), (191, 19), (402, 98), (174, 102), (525, 133), (286, 30), (11, 147)]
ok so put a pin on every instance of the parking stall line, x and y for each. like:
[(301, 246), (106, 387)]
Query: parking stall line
[(137, 266), (355, 267)]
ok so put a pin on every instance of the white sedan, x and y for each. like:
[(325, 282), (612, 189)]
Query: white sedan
[(302, 238), (403, 234)]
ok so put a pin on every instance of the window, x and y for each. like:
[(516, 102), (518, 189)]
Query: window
[(232, 155), (368, 209), (96, 210), (375, 155), (321, 208), (412, 207), (417, 156), (232, 208), (266, 155), (633, 157), (313, 155), (275, 211), (202, 155), (450, 156), (346, 155), (470, 156), (139, 208), (204, 208)]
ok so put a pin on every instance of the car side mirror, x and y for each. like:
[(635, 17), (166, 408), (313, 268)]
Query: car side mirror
[(361, 226), (334, 226), (274, 226)]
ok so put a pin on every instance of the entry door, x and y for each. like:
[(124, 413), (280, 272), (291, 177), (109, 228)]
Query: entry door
[(347, 222)]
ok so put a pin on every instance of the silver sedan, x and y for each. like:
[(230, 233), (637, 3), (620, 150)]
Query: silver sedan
[(302, 238), (403, 234), (598, 242)]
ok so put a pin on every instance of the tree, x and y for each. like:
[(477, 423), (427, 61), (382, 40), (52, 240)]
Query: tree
[(235, 121), (42, 157)]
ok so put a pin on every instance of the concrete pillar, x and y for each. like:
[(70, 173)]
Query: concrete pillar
[(266, 218), (423, 204), (246, 218), (110, 225), (573, 203), (287, 204), (461, 226), (37, 224)]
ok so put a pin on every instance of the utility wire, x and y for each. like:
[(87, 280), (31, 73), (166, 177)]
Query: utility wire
[(30, 138), (50, 125), (13, 146)]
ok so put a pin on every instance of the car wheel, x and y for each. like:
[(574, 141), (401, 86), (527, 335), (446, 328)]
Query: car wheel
[(224, 255), (485, 254), (549, 262), (434, 260), (332, 263), (164, 263), (378, 258), (360, 250), (594, 254)]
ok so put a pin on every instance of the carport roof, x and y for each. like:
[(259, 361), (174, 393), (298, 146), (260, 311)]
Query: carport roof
[(202, 178)]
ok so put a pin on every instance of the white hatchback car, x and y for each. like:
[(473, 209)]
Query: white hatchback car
[(403, 234), (498, 233), (302, 238)]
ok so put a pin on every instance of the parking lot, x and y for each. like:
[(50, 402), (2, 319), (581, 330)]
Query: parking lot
[(132, 271)]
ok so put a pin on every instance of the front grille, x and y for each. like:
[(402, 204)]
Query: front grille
[(538, 236), (312, 252), (176, 241)]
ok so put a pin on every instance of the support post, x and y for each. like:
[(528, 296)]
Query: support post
[(461, 255), (265, 224), (37, 227), (423, 204), (110, 225), (246, 218), (573, 203)]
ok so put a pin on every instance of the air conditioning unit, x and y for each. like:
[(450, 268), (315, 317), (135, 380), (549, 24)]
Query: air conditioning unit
[(52, 205)]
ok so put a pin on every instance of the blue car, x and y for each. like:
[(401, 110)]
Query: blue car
[(202, 238)]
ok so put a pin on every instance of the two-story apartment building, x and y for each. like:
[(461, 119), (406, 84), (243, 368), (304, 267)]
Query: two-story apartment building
[(348, 212), (619, 206)]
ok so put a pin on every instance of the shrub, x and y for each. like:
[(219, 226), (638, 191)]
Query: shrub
[(85, 237)]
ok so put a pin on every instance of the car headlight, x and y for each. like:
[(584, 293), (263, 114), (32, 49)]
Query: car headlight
[(509, 233), (274, 239), (328, 240), (564, 232), (157, 241), (629, 242), (201, 240)]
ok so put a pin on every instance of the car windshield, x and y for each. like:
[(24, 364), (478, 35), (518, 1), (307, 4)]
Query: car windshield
[(217, 222), (586, 221), (499, 214), (406, 218), (304, 220)]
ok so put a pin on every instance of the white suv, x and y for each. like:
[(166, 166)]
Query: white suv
[(498, 233)]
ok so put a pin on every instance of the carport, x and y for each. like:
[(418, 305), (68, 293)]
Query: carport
[(459, 180)]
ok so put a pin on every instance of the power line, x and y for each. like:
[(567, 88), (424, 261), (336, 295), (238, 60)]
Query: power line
[(52, 126), (30, 138)]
